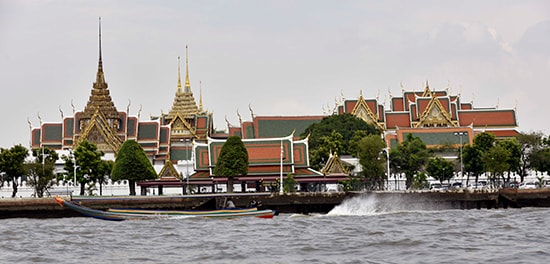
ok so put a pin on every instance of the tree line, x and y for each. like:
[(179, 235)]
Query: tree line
[(84, 164)]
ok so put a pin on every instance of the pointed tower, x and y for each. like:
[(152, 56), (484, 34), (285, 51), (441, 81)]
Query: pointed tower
[(100, 121), (183, 115), (100, 99), (184, 102)]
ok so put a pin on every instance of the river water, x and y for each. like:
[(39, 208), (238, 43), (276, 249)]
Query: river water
[(360, 230)]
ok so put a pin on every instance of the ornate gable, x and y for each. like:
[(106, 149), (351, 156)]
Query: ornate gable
[(363, 111), (334, 166), (180, 127), (435, 115), (100, 132), (168, 171)]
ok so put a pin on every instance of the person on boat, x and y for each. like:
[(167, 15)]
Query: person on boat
[(230, 204), (254, 203)]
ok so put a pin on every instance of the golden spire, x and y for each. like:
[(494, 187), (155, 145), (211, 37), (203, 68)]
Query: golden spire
[(187, 83), (100, 78), (179, 77), (184, 103), (100, 96)]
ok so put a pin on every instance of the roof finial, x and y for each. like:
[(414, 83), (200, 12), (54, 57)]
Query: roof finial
[(179, 77), (100, 79), (100, 60), (187, 83)]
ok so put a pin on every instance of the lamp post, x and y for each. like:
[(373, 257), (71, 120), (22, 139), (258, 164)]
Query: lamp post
[(387, 150), (460, 134), (43, 159), (184, 142), (281, 171), (74, 169), (187, 165)]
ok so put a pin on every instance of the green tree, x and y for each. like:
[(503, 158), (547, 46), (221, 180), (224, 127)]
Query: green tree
[(420, 181), (373, 160), (40, 173), (331, 143), (104, 168), (131, 164), (88, 160), (40, 176), (471, 157), (529, 143), (513, 147), (11, 163), (71, 167), (410, 157), (232, 161), (495, 161), (540, 160), (341, 128), (440, 169), (45, 155), (353, 149), (484, 141), (289, 184)]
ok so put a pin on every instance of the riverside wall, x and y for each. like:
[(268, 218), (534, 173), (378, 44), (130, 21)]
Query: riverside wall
[(302, 203)]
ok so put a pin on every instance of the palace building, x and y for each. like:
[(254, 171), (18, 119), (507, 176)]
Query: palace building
[(183, 146), (164, 138), (436, 117)]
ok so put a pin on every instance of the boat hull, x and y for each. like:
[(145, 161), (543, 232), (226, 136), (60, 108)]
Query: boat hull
[(131, 214)]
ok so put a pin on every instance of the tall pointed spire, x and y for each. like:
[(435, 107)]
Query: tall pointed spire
[(179, 77), (100, 78), (184, 103), (187, 83), (100, 97), (99, 123)]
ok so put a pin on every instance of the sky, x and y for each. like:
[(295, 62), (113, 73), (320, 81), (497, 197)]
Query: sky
[(277, 58)]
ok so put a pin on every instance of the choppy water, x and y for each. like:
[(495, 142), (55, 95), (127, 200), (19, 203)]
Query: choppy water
[(361, 230)]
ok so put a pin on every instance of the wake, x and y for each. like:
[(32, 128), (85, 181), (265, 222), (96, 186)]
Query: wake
[(376, 204)]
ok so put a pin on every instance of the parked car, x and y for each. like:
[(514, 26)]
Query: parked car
[(436, 186), (476, 186), (528, 185), (456, 185)]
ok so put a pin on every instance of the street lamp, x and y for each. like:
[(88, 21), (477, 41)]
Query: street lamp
[(281, 173), (43, 159), (387, 150), (187, 165), (75, 167), (184, 142), (460, 134)]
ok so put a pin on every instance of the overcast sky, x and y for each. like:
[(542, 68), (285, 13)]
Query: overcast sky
[(279, 57)]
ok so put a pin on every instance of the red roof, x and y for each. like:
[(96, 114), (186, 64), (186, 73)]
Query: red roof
[(487, 118), (398, 120)]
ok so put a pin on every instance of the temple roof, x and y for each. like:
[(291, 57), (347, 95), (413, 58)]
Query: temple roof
[(184, 102), (100, 99)]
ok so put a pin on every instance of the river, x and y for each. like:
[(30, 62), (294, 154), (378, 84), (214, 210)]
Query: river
[(360, 230)]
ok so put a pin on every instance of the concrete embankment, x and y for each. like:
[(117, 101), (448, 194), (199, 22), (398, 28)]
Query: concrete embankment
[(287, 203)]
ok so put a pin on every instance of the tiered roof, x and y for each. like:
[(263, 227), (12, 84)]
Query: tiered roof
[(184, 103), (100, 99)]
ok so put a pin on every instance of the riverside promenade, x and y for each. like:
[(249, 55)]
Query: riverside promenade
[(302, 203)]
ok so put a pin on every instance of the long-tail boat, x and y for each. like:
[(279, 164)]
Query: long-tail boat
[(132, 214)]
